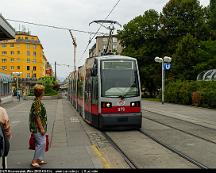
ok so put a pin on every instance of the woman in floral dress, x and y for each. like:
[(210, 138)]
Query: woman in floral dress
[(38, 126)]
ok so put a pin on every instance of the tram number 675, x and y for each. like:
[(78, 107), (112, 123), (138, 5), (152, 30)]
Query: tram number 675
[(121, 109)]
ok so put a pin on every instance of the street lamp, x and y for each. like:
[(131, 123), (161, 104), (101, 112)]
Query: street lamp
[(162, 60), (18, 74)]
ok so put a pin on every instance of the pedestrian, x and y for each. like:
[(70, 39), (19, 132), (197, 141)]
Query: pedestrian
[(5, 134), (38, 126), (18, 95), (4, 120)]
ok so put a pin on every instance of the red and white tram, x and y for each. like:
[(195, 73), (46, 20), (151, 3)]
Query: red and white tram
[(106, 92)]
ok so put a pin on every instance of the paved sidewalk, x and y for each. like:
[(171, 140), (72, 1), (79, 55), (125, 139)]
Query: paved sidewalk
[(70, 147), (193, 114)]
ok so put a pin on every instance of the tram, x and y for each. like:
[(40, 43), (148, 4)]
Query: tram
[(106, 91)]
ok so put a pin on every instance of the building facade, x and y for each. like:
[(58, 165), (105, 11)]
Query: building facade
[(100, 46), (22, 56), (6, 32)]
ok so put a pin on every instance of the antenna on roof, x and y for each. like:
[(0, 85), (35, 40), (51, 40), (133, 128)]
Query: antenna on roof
[(111, 28)]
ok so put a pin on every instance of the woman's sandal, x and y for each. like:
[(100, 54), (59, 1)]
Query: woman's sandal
[(35, 165), (41, 162)]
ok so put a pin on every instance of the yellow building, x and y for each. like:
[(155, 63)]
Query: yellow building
[(22, 55)]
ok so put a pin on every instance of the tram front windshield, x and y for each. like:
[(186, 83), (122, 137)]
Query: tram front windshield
[(119, 78)]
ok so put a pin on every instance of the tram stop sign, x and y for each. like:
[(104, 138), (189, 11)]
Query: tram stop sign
[(167, 66)]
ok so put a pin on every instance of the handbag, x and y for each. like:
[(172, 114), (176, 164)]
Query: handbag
[(32, 142)]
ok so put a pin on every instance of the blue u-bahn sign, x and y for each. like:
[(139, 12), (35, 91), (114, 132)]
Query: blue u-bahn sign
[(167, 66)]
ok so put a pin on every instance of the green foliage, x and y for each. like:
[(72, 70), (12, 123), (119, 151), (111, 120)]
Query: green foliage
[(181, 17), (185, 31), (185, 58), (183, 92), (212, 13), (51, 85)]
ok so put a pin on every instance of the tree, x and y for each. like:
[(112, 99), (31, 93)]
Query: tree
[(212, 10), (50, 85), (186, 58), (141, 40), (182, 17)]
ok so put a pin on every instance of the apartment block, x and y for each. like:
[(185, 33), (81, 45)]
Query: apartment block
[(98, 49), (23, 55)]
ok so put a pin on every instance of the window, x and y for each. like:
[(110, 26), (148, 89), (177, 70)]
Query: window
[(12, 45), (114, 40), (104, 47), (4, 60), (12, 60), (18, 45), (28, 60), (114, 46), (34, 46), (34, 61), (4, 53), (34, 68), (34, 75), (26, 38), (12, 52), (28, 67), (4, 45), (27, 46), (34, 53), (12, 67), (28, 75), (4, 67), (18, 60), (28, 53), (18, 52), (18, 67), (104, 39)]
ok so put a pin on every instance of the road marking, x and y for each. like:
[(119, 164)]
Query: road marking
[(74, 120), (103, 160)]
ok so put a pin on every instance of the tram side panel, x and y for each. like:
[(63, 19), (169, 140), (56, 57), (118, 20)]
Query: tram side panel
[(80, 90)]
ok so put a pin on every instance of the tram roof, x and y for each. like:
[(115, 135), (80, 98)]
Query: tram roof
[(113, 57)]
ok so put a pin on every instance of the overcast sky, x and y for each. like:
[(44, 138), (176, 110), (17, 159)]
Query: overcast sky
[(75, 14)]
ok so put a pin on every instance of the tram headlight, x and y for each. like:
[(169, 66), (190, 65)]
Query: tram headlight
[(106, 104), (135, 104)]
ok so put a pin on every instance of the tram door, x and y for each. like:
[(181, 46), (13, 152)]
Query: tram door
[(94, 101), (87, 97)]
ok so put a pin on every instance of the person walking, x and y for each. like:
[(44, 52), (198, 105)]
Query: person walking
[(18, 95), (38, 126)]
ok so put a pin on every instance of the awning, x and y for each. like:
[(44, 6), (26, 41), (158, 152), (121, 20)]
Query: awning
[(6, 30), (5, 78)]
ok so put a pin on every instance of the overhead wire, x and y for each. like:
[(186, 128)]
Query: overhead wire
[(51, 26), (89, 42)]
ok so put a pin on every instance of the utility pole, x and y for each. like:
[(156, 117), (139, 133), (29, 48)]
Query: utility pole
[(55, 71), (75, 46), (75, 72)]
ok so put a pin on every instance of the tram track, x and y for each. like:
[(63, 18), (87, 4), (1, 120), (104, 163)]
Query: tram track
[(193, 161), (184, 130), (181, 153), (130, 163)]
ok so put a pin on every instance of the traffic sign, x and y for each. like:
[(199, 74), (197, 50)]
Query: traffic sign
[(167, 66)]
